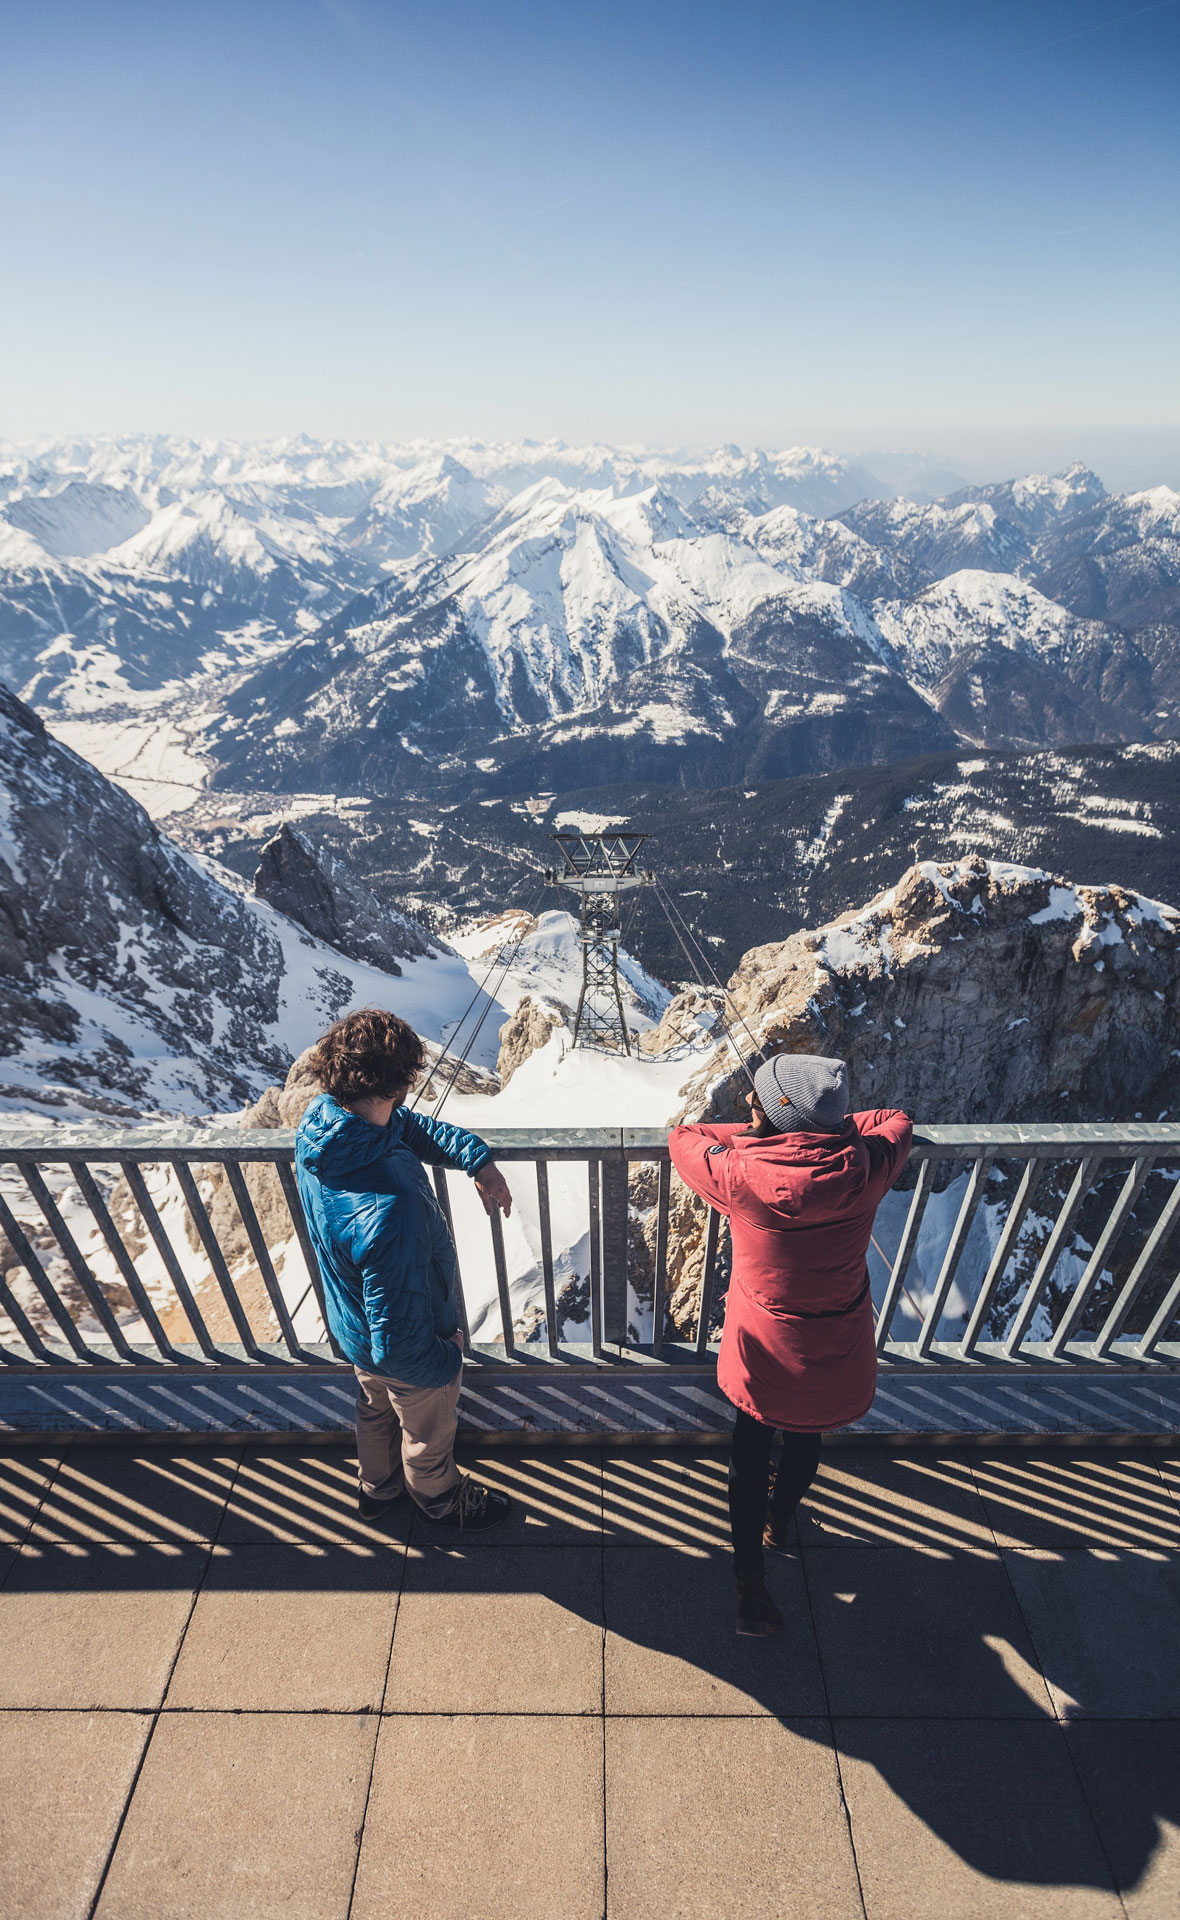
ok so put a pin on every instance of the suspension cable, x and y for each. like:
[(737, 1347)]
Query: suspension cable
[(670, 908), (701, 961), (505, 958), (721, 1021), (499, 963)]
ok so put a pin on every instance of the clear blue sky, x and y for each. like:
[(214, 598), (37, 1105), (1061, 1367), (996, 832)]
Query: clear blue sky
[(657, 221)]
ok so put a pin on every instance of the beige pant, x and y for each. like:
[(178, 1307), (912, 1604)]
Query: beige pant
[(405, 1437)]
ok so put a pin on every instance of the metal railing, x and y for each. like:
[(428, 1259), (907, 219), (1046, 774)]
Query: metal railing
[(165, 1247)]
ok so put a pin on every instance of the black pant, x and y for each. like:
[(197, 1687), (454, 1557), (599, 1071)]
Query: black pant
[(749, 1474)]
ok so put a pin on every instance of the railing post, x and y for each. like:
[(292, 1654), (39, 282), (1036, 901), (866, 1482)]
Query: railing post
[(614, 1247)]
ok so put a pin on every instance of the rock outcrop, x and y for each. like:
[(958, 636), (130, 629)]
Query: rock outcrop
[(525, 1032), (311, 886), (972, 990)]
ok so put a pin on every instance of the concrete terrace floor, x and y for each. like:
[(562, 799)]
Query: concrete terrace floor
[(221, 1695)]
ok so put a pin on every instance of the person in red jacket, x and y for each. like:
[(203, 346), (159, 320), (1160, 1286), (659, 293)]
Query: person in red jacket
[(801, 1186)]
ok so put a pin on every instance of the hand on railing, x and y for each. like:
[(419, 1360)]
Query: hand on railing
[(493, 1189)]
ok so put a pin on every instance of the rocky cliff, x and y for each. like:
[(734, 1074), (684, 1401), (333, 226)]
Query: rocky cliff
[(310, 885), (971, 990), (135, 978)]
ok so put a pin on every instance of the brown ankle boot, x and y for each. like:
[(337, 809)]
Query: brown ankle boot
[(776, 1534), (756, 1611)]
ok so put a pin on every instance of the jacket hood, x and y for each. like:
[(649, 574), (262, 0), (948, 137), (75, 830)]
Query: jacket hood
[(807, 1177), (333, 1142)]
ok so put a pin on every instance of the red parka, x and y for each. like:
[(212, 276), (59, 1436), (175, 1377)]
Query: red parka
[(798, 1349)]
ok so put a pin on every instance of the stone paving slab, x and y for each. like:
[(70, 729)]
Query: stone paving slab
[(97, 1628), (671, 1645), (671, 1497), (919, 1498), (914, 1634), (484, 1818), (24, 1477), (556, 1497), (294, 1627), (64, 1779), (109, 1493), (243, 1817), (1130, 1773), (1060, 1498), (1106, 1627), (971, 1820), (302, 1494), (499, 1630), (740, 1818)]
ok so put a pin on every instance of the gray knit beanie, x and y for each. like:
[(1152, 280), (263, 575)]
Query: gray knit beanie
[(803, 1092)]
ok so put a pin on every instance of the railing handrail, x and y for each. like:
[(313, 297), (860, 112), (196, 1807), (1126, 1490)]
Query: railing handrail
[(1034, 1139)]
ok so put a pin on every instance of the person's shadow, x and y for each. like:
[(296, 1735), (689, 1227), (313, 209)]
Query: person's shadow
[(991, 1642)]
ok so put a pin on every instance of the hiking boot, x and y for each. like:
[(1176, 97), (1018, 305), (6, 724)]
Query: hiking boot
[(375, 1512), (476, 1508), (756, 1611), (776, 1534)]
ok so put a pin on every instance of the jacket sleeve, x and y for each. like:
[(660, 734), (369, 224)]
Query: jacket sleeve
[(888, 1134), (398, 1304), (440, 1144), (702, 1157)]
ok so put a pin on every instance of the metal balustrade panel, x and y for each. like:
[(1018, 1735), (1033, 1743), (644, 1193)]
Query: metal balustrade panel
[(116, 1246), (1005, 1248), (41, 1315), (149, 1214), (954, 1252), (905, 1253), (659, 1299), (443, 1196), (1116, 1220), (1140, 1274), (1054, 1247)]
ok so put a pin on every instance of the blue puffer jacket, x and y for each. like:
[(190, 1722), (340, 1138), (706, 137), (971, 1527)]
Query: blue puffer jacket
[(387, 1259)]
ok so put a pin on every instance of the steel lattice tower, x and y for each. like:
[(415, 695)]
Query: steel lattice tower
[(600, 867)]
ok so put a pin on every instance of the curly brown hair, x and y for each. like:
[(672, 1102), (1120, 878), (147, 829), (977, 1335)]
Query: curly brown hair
[(369, 1055)]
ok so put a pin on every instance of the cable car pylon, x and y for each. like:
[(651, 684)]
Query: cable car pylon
[(600, 868)]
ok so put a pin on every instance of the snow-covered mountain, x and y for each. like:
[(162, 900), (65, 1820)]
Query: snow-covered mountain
[(146, 575), (1006, 666), (457, 617), (579, 636)]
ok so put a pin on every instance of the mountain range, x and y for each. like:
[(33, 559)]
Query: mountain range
[(461, 621)]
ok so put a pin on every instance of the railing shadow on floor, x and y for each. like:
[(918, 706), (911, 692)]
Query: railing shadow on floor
[(938, 1608)]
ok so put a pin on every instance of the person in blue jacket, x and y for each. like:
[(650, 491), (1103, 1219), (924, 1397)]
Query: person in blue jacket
[(388, 1263)]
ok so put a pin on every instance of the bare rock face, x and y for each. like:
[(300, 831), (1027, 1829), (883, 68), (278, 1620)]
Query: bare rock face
[(309, 885), (972, 990), (525, 1033), (132, 978), (689, 1017)]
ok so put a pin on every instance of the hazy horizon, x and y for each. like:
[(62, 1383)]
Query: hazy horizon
[(1126, 462)]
